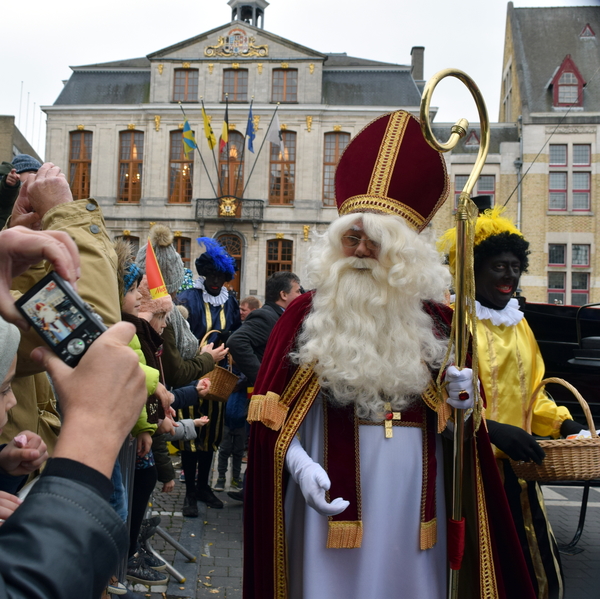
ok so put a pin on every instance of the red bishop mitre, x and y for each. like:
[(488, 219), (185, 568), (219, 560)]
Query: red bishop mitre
[(389, 168)]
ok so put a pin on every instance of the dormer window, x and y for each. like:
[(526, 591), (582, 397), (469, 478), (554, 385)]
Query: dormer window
[(567, 84)]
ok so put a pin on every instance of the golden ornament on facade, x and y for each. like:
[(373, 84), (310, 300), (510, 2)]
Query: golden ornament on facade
[(157, 122), (160, 68), (186, 65), (311, 68), (211, 66), (337, 127), (235, 65), (306, 231), (256, 120), (227, 206), (279, 235), (177, 233), (232, 126), (80, 127), (285, 65), (131, 126), (180, 126), (283, 126), (126, 232), (236, 44), (152, 224), (309, 120), (259, 66)]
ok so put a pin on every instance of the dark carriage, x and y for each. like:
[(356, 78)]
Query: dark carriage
[(569, 339)]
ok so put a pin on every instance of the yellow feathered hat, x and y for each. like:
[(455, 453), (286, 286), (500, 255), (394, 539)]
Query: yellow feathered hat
[(488, 224)]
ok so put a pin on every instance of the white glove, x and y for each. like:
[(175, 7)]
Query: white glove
[(312, 480), (460, 381)]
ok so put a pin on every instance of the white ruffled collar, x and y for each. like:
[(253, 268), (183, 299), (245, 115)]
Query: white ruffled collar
[(213, 300), (509, 316)]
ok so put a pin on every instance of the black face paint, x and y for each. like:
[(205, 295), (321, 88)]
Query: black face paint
[(496, 280)]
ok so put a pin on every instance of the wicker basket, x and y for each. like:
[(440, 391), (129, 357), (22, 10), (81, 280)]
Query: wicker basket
[(222, 380), (566, 459)]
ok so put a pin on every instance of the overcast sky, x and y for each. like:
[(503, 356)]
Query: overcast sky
[(41, 45)]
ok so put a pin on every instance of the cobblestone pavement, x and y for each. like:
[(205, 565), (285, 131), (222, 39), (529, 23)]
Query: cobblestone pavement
[(215, 537)]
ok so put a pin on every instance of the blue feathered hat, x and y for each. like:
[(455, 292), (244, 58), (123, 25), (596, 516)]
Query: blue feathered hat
[(214, 259)]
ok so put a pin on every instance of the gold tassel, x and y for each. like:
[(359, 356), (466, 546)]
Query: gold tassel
[(268, 410), (344, 534), (428, 534)]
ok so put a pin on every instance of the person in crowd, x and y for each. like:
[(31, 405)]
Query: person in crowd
[(27, 451), (211, 308), (182, 358), (510, 369), (345, 450), (247, 305), (67, 512), (247, 344), (12, 176)]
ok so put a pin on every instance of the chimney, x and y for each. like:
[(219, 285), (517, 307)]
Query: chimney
[(416, 63)]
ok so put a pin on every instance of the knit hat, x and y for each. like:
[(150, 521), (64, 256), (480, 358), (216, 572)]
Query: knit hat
[(128, 271), (214, 259), (9, 343), (188, 280), (148, 306), (169, 261), (24, 163)]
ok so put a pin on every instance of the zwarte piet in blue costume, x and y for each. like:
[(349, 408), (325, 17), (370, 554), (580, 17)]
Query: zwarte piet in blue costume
[(211, 308)]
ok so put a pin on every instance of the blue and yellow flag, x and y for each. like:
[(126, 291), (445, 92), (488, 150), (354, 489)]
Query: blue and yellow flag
[(189, 141), (250, 133), (210, 136)]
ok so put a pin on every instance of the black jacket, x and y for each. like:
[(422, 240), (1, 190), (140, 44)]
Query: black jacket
[(65, 540), (247, 344)]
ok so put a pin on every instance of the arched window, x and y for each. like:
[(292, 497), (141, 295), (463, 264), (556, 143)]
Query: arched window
[(235, 85), (279, 255), (335, 144), (80, 163), (282, 178), (181, 171), (285, 85), (185, 85), (231, 167), (183, 246), (234, 246), (131, 155)]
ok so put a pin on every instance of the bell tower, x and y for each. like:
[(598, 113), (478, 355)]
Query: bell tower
[(249, 11)]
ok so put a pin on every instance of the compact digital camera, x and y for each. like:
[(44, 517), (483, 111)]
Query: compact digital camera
[(61, 318)]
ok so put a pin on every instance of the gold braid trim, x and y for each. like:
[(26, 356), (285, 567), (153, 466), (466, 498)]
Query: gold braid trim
[(383, 205), (272, 409), (428, 536), (344, 534), (282, 444), (487, 574)]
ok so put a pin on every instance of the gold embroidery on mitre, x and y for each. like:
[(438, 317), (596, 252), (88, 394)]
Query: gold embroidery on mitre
[(388, 154), (384, 205), (344, 534), (428, 537)]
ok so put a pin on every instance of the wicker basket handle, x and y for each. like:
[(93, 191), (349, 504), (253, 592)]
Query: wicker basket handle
[(228, 357), (584, 404)]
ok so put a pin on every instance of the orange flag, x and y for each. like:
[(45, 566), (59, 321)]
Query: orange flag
[(156, 283)]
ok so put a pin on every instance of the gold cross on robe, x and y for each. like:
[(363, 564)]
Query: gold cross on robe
[(390, 417)]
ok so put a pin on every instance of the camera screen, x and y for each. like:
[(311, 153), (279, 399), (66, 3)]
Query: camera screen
[(53, 313)]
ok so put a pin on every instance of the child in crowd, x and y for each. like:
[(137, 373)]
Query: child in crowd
[(26, 452)]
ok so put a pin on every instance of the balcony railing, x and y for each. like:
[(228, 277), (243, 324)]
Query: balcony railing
[(229, 209)]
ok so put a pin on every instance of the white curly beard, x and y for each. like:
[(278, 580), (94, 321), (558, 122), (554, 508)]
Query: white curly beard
[(367, 331)]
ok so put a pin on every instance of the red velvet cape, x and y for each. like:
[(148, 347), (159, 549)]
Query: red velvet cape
[(264, 556)]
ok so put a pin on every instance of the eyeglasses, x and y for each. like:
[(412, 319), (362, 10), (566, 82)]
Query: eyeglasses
[(349, 241)]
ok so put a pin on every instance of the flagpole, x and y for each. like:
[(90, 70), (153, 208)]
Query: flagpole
[(260, 149), (227, 145), (213, 155), (237, 179), (199, 154)]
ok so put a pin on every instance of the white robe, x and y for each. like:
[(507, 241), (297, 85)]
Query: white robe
[(389, 565)]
